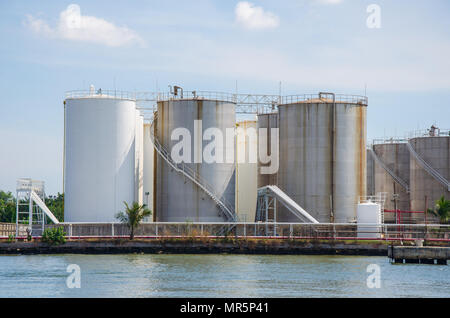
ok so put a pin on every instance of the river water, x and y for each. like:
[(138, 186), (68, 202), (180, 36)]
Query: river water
[(136, 275)]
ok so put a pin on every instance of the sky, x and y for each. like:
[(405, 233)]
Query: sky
[(398, 55)]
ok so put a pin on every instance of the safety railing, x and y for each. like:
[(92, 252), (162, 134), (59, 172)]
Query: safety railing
[(315, 98), (325, 231), (437, 132), (393, 140), (100, 93)]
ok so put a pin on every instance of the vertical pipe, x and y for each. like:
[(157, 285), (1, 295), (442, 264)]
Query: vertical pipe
[(30, 214), (17, 214), (332, 151)]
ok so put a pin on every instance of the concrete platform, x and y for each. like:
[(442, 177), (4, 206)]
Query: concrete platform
[(419, 255)]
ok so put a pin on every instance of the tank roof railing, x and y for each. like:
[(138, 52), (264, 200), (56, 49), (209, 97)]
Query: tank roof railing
[(392, 140), (317, 98), (413, 134), (245, 103), (100, 93), (438, 132)]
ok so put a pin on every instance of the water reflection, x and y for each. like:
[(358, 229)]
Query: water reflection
[(136, 275)]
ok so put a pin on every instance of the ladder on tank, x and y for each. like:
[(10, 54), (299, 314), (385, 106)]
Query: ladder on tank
[(225, 207), (429, 169)]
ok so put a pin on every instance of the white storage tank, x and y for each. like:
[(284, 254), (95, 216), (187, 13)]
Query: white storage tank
[(366, 214), (139, 159), (100, 154)]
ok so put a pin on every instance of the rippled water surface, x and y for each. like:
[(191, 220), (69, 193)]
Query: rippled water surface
[(217, 276)]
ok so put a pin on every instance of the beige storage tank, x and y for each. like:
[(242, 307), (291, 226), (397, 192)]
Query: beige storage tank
[(178, 199), (246, 170), (323, 155), (426, 189), (148, 169), (267, 121)]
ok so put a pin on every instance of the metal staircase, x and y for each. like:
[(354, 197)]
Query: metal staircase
[(431, 171), (225, 207), (266, 196), (389, 171), (31, 211)]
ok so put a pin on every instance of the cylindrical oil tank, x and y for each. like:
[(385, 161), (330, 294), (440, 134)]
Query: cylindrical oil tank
[(246, 170), (425, 190), (370, 171), (395, 157), (323, 156), (99, 157), (267, 121), (177, 198), (148, 171)]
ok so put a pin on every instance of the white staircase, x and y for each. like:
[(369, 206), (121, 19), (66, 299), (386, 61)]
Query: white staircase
[(275, 192)]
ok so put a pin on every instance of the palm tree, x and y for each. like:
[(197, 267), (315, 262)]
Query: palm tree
[(442, 210), (133, 216)]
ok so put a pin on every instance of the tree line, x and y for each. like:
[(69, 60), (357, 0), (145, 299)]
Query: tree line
[(8, 206)]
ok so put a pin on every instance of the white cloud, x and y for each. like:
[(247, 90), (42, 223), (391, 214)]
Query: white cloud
[(255, 18), (329, 1), (76, 27)]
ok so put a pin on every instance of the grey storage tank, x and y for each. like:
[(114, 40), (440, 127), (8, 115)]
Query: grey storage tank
[(370, 172), (268, 121), (394, 156), (177, 198), (323, 155), (426, 185)]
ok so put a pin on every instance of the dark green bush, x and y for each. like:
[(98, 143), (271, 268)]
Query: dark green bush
[(54, 236)]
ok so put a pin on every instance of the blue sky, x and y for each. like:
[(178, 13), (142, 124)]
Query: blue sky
[(308, 45)]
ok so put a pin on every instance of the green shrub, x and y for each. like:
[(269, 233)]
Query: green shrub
[(54, 236), (11, 238)]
